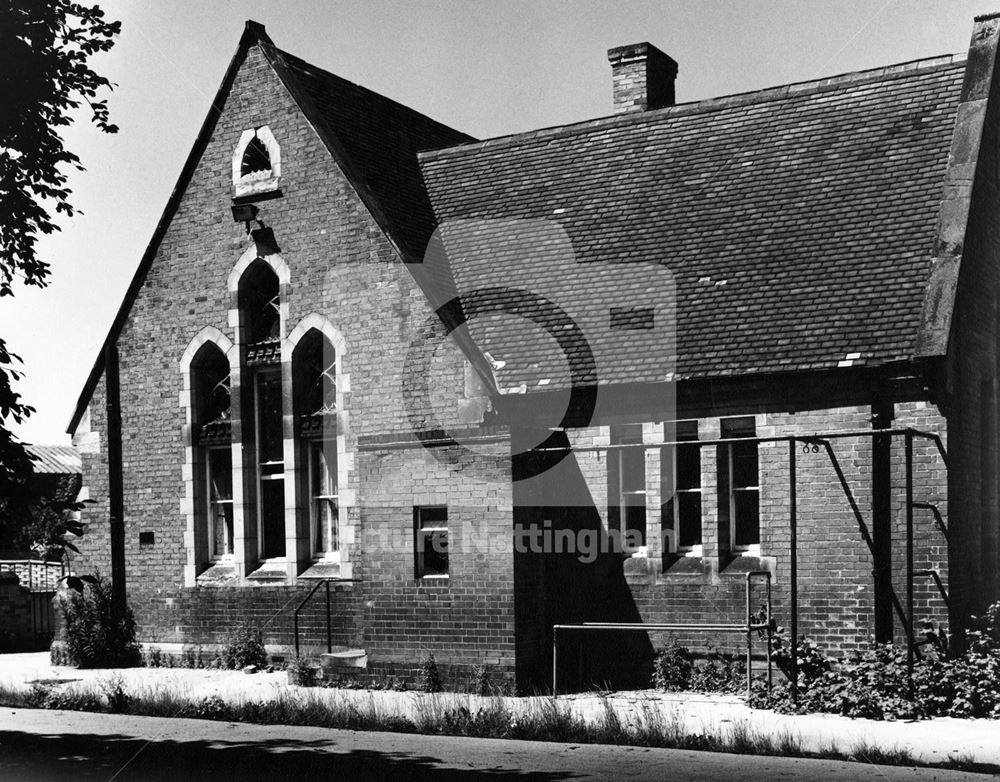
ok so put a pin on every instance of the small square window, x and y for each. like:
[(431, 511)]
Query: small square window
[(430, 543)]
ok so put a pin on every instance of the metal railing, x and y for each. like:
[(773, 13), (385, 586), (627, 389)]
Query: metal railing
[(329, 629), (749, 628)]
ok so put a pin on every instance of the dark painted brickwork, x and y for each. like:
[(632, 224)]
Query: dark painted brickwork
[(16, 628), (342, 267)]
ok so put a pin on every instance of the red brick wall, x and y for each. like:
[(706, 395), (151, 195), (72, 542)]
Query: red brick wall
[(835, 582), (341, 266)]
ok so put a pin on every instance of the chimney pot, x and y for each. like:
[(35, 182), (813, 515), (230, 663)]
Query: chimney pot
[(642, 77)]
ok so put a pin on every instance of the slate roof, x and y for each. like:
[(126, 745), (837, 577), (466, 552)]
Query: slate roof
[(796, 225), (380, 138)]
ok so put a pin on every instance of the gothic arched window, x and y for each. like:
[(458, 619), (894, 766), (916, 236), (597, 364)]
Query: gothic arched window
[(314, 372), (212, 440)]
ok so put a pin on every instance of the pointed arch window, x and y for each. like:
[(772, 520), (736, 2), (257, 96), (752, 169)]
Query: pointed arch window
[(314, 369), (259, 301), (212, 438), (256, 163), (255, 158), (260, 305)]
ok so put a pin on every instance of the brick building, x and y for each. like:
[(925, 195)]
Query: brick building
[(462, 382)]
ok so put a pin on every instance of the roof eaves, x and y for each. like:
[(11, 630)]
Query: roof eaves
[(408, 255), (253, 33), (280, 66)]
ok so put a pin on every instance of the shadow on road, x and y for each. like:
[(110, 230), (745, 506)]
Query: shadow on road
[(55, 756)]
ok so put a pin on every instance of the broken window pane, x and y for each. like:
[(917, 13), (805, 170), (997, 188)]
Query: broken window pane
[(255, 158)]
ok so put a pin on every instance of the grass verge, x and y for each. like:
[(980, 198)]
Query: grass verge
[(540, 719)]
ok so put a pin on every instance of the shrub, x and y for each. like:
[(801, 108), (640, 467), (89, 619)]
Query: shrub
[(243, 647), (430, 677), (304, 672), (154, 657), (719, 672), (672, 668), (874, 684), (93, 638), (812, 662)]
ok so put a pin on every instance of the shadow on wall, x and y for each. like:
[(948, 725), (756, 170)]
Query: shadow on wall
[(569, 587)]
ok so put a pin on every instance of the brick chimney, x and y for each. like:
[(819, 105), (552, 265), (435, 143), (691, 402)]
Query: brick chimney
[(642, 77)]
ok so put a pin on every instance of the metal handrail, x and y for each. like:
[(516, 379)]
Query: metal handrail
[(749, 627), (329, 632)]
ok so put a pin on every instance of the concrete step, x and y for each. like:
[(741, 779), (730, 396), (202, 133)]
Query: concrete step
[(346, 659)]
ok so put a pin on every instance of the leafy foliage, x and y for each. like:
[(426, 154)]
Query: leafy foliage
[(44, 49), (674, 669), (244, 646), (874, 684), (94, 639), (46, 525), (811, 661), (44, 78)]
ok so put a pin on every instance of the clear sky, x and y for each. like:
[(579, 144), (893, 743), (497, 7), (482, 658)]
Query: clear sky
[(487, 68)]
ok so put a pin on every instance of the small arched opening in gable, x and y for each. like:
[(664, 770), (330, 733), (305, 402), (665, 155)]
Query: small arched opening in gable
[(256, 163)]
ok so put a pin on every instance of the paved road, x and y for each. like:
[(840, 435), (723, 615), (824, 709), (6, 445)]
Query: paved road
[(52, 745)]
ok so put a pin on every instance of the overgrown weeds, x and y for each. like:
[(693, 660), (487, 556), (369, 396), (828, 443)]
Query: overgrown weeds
[(430, 677), (304, 672), (541, 719), (94, 638), (243, 647), (675, 669)]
